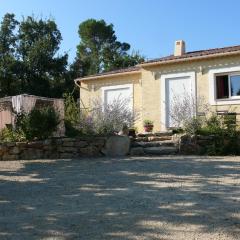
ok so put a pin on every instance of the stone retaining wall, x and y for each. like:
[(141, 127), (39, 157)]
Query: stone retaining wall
[(53, 148), (201, 144), (193, 144)]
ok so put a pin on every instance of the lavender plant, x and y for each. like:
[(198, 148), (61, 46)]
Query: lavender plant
[(107, 119), (184, 111)]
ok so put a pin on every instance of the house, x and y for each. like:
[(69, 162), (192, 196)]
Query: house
[(12, 105), (213, 74)]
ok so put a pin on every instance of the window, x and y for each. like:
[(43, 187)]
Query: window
[(235, 85), (228, 86), (222, 86)]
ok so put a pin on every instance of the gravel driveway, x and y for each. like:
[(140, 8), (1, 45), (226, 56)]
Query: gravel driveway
[(132, 198)]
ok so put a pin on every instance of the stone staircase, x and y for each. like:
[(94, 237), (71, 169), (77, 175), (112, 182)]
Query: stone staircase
[(161, 143)]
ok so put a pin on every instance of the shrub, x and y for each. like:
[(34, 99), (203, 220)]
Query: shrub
[(7, 134), (72, 110), (38, 124), (226, 137), (192, 125), (108, 119), (183, 111), (212, 126), (147, 122), (41, 123), (72, 115)]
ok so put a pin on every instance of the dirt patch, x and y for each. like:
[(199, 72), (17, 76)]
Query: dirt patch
[(129, 198)]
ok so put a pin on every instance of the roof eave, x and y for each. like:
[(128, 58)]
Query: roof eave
[(188, 59), (106, 76)]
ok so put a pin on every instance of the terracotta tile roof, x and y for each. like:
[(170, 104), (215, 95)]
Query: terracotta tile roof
[(122, 70), (170, 58), (194, 54)]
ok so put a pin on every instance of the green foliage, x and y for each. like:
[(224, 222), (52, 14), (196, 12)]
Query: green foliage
[(225, 136), (147, 122), (29, 59), (71, 130), (177, 131), (7, 134), (72, 115), (214, 125), (72, 109), (42, 68), (39, 123), (192, 126), (109, 121), (8, 60), (99, 49), (36, 125)]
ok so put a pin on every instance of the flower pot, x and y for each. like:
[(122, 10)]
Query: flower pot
[(132, 133), (148, 128)]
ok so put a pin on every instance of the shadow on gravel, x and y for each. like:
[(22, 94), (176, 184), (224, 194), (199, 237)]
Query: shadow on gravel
[(135, 198)]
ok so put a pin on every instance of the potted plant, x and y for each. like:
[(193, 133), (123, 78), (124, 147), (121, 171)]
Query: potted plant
[(132, 132), (148, 125)]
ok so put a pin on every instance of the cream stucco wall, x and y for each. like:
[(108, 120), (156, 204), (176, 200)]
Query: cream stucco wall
[(151, 82), (146, 86), (91, 89)]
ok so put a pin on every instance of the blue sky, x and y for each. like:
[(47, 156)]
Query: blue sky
[(150, 26)]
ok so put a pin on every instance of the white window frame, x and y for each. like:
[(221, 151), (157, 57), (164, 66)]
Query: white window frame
[(230, 71), (115, 87)]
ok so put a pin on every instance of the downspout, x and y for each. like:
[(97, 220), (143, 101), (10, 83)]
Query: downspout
[(79, 85)]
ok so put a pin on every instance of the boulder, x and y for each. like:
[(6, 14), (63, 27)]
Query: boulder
[(117, 146)]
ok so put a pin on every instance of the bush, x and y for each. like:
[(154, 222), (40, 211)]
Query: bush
[(211, 126), (108, 119), (226, 137), (183, 109), (7, 134), (147, 122), (38, 124), (72, 110), (70, 129), (72, 115), (192, 125)]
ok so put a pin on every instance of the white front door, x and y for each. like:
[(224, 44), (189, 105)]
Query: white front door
[(175, 87), (116, 93)]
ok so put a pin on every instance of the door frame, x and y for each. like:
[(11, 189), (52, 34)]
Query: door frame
[(115, 87), (164, 78)]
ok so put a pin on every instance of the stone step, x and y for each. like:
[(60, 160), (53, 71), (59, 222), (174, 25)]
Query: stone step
[(145, 134), (162, 138), (153, 144), (153, 138), (156, 134), (163, 134), (160, 150)]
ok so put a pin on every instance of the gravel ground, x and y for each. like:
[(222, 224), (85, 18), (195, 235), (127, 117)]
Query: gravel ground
[(130, 198)]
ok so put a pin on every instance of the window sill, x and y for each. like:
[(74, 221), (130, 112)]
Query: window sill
[(231, 101)]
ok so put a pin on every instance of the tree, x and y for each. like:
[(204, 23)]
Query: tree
[(99, 50), (8, 61), (42, 68)]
